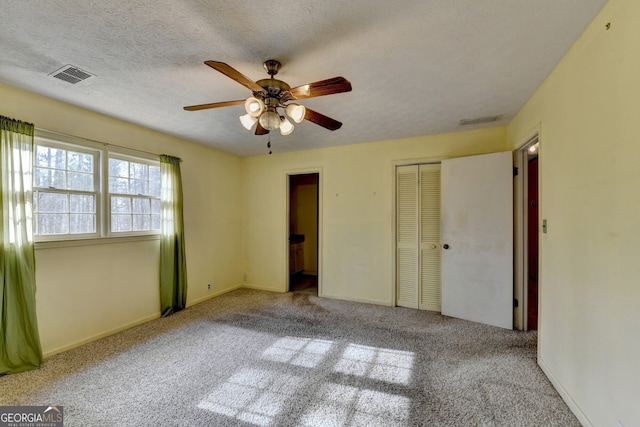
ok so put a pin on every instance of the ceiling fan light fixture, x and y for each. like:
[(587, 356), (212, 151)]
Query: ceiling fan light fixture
[(285, 126), (254, 106), (296, 112), (270, 120), (248, 121)]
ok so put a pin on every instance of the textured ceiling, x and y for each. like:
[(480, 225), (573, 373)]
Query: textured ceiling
[(417, 66)]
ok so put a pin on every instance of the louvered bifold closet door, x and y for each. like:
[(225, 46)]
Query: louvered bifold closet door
[(407, 262), (430, 252)]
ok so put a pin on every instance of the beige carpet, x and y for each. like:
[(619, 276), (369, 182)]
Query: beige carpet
[(252, 358)]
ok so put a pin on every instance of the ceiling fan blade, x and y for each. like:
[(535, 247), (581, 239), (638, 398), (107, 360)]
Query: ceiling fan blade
[(236, 75), (321, 88), (260, 130), (322, 120), (213, 105)]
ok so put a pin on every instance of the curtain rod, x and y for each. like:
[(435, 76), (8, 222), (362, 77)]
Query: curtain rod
[(108, 144)]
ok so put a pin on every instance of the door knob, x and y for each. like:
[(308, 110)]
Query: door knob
[(433, 246), (445, 246)]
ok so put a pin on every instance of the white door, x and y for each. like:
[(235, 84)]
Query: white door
[(407, 236), (418, 236), (430, 252), (477, 238)]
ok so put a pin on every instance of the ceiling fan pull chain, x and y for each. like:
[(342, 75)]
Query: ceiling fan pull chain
[(269, 144)]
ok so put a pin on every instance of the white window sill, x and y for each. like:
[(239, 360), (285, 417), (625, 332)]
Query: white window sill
[(92, 242)]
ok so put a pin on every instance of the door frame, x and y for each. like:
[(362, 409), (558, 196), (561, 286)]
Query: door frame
[(521, 241), (287, 179)]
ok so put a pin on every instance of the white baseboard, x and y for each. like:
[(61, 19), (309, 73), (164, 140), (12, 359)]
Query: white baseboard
[(263, 288), (129, 325), (52, 352), (573, 406), (213, 295), (96, 337), (364, 301)]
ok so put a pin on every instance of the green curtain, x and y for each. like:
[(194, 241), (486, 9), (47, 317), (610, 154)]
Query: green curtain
[(173, 263), (20, 348)]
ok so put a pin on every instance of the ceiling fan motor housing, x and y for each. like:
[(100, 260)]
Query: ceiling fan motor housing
[(275, 88), (272, 66)]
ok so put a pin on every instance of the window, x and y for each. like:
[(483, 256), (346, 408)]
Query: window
[(65, 191), (73, 201), (134, 195)]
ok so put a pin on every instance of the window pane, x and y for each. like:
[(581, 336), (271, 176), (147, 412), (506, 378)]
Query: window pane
[(154, 173), (120, 223), (82, 223), (155, 206), (52, 202), (120, 204), (141, 206), (53, 224), (155, 222), (118, 168), (80, 162), (141, 222), (118, 185), (79, 203), (139, 187), (50, 157), (154, 188), (139, 171), (48, 178), (80, 181)]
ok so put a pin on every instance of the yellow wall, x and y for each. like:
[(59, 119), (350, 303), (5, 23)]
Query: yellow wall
[(356, 210), (588, 111), (85, 292)]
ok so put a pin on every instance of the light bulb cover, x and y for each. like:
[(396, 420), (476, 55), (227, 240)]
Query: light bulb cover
[(285, 126), (248, 121), (254, 106), (270, 120), (296, 112)]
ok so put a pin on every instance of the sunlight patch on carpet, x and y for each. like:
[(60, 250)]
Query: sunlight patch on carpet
[(339, 405), (382, 364), (305, 352), (254, 396)]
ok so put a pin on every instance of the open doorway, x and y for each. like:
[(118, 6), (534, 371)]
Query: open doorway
[(303, 233), (527, 236)]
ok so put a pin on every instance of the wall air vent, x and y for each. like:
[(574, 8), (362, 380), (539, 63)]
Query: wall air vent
[(71, 74), (479, 120)]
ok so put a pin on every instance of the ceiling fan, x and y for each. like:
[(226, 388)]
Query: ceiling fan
[(270, 104)]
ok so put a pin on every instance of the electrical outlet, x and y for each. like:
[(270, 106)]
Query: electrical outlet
[(209, 286)]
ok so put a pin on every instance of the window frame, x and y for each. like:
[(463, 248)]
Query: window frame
[(61, 145), (118, 155), (102, 152)]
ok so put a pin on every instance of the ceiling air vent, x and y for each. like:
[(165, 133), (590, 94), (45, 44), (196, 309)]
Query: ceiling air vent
[(479, 120), (71, 74)]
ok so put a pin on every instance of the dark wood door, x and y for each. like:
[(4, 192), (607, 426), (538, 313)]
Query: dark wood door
[(532, 236)]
